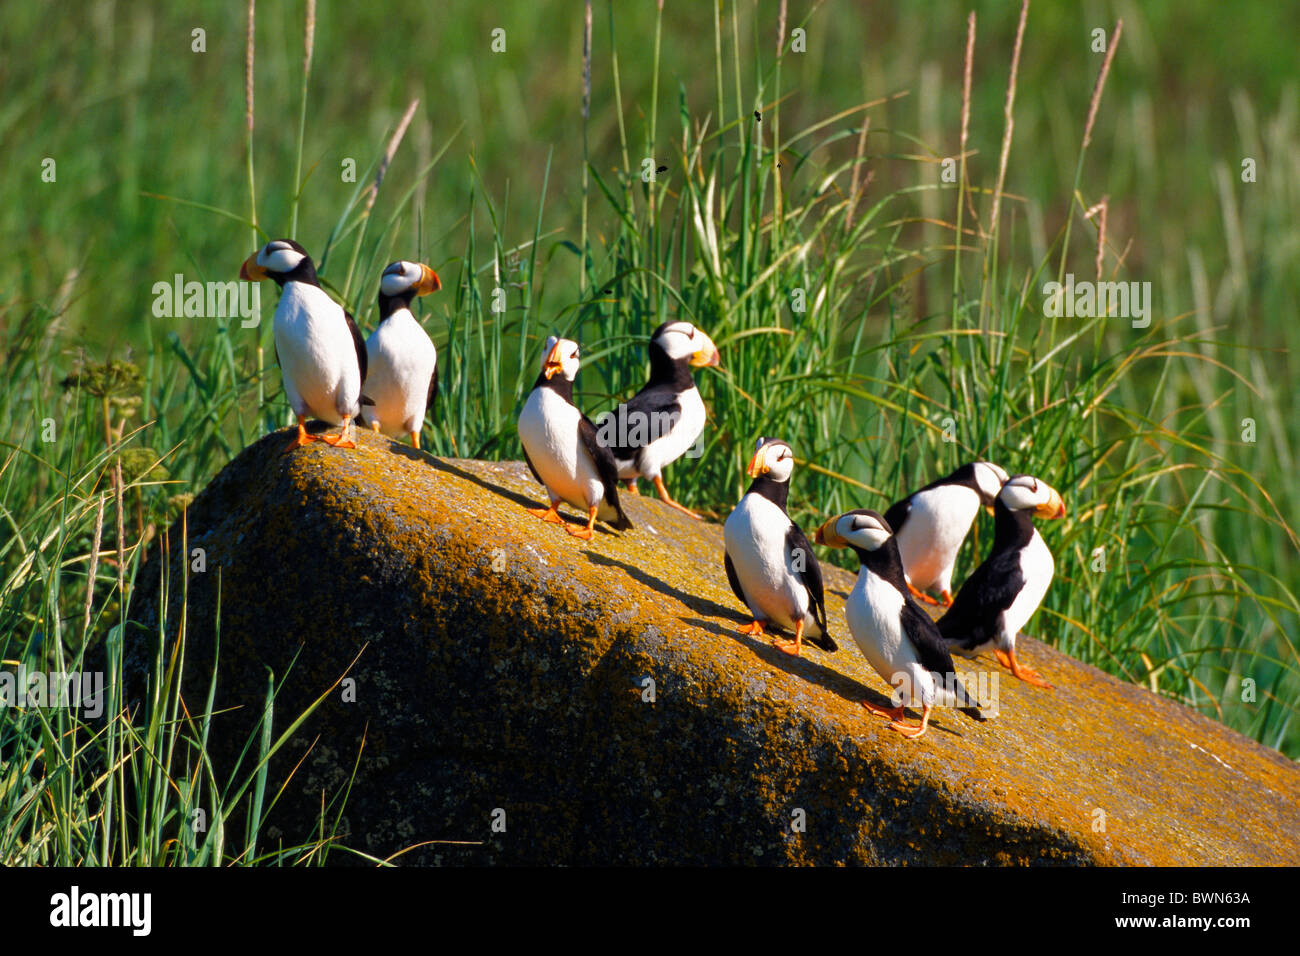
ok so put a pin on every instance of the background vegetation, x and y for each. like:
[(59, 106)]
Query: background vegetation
[(814, 173)]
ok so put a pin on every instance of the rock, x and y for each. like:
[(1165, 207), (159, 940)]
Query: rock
[(502, 678)]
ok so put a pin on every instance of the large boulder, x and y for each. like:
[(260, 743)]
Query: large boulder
[(504, 679)]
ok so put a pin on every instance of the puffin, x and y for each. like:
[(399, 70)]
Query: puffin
[(403, 376), (662, 421), (318, 346), (930, 525), (896, 636), (770, 564), (1003, 593), (562, 449)]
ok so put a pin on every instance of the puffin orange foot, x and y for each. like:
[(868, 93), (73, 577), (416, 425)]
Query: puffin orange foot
[(921, 595), (586, 534), (303, 438), (889, 713), (790, 647), (549, 515), (910, 731), (753, 630), (1026, 674)]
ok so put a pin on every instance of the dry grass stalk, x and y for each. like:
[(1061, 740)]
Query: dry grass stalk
[(1009, 116), (394, 141)]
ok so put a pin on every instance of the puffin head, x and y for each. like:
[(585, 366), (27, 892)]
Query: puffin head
[(862, 529), (277, 259), (772, 457), (405, 280), (681, 340), (989, 479), (1025, 493), (560, 356)]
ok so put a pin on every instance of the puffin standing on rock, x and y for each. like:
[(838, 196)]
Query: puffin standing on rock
[(403, 378), (930, 525), (895, 635), (770, 564), (1003, 593), (663, 421), (319, 348), (562, 449)]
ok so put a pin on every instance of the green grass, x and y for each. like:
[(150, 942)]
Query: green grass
[(908, 336)]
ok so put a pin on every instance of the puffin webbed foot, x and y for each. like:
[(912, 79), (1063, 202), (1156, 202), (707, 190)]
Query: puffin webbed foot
[(1026, 674)]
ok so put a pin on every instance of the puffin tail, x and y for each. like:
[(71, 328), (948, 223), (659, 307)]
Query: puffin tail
[(822, 640)]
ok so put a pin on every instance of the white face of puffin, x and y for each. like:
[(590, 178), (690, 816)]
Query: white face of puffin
[(990, 478), (560, 356), (772, 457), (681, 339), (864, 529), (1025, 492), (402, 276)]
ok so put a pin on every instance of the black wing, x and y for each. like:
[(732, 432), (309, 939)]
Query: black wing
[(933, 653), (898, 513), (733, 580), (358, 341), (992, 587), (925, 637), (606, 467), (651, 401), (811, 576), (531, 468), (432, 398)]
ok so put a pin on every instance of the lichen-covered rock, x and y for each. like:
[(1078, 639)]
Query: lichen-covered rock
[(504, 680)]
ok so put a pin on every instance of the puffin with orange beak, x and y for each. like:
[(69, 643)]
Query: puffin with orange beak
[(1003, 593), (895, 635), (403, 376), (563, 450), (319, 348), (770, 564), (664, 420)]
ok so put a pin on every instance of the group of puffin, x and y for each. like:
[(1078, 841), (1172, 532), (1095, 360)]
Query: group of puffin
[(769, 562)]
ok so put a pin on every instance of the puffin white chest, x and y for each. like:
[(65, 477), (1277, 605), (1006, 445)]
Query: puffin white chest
[(931, 536), (755, 539), (548, 429), (673, 440), (402, 359), (318, 359), (1037, 568), (874, 611)]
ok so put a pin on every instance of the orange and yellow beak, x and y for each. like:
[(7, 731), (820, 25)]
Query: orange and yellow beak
[(706, 356), (758, 464), (554, 363), (250, 271), (1053, 507), (827, 536), (429, 281)]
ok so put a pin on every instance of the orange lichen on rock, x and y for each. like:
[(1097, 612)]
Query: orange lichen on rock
[(600, 702)]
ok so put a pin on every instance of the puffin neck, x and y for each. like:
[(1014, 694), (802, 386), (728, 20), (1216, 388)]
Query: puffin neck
[(777, 492), (669, 371), (1011, 529), (388, 304), (885, 562), (304, 272), (556, 383)]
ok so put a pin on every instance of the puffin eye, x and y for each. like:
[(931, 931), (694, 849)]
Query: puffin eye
[(575, 354)]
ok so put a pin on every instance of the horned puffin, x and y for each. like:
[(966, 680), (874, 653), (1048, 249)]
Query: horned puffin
[(318, 346), (1001, 595), (770, 564), (403, 376), (930, 525), (896, 636), (663, 421), (562, 449)]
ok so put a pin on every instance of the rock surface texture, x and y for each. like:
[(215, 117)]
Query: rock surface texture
[(504, 680)]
